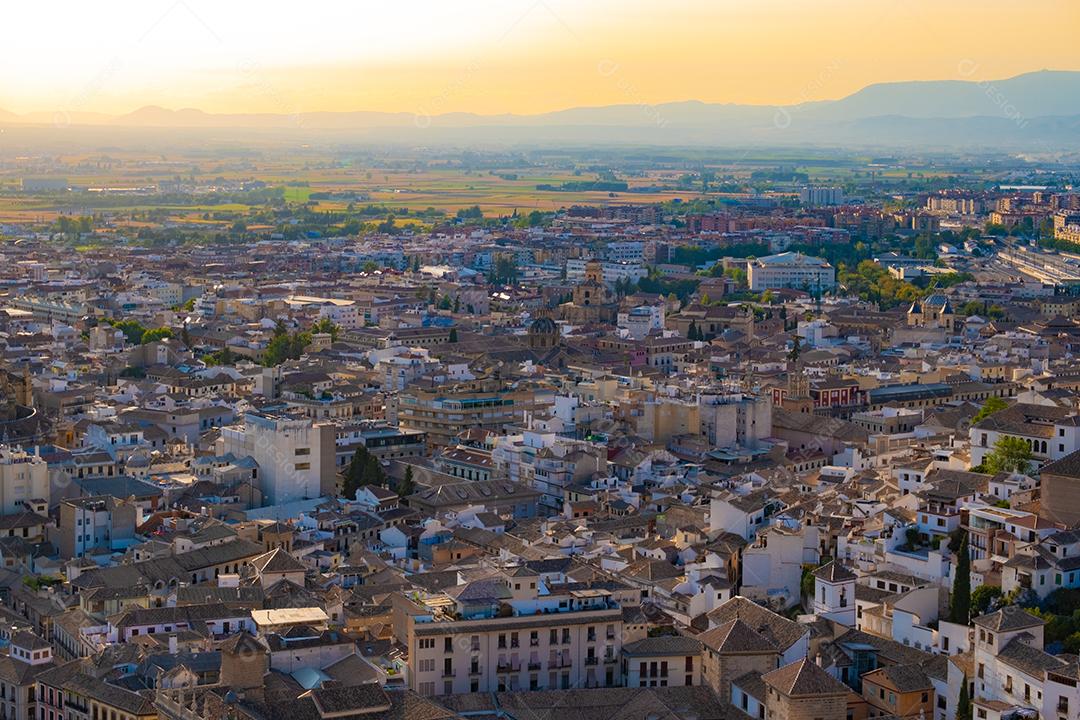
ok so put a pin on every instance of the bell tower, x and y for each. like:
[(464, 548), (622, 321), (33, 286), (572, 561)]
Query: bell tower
[(797, 398)]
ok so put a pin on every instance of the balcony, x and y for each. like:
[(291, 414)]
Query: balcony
[(591, 660), (535, 665)]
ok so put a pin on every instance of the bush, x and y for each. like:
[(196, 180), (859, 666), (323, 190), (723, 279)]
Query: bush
[(982, 598)]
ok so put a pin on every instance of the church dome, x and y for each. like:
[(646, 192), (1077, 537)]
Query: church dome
[(543, 326)]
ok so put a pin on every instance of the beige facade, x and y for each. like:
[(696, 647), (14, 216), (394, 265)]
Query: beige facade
[(444, 413), (539, 652), (23, 477)]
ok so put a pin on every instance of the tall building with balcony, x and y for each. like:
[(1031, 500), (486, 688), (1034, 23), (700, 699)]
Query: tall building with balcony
[(445, 412), (509, 632)]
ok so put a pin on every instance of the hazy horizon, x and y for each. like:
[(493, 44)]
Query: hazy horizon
[(527, 57)]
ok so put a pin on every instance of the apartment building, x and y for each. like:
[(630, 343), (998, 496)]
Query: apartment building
[(28, 657), (23, 477), (444, 413), (385, 442), (101, 523), (625, 270), (662, 661), (501, 634)]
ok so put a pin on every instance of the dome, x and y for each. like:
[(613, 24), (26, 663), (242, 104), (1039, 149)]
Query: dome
[(543, 326)]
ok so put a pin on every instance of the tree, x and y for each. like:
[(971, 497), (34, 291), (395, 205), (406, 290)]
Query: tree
[(133, 330), (364, 469), (453, 335), (185, 336), (505, 270), (407, 486), (1010, 454), (285, 347), (155, 334), (327, 326), (736, 274), (808, 581), (457, 304), (982, 598), (370, 267), (992, 405), (354, 474), (692, 332), (960, 603), (963, 703), (796, 348), (445, 303)]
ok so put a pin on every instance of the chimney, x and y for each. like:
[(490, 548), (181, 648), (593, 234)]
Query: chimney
[(172, 644)]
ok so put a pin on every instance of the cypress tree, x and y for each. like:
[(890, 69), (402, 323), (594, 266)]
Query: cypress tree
[(963, 703), (960, 607)]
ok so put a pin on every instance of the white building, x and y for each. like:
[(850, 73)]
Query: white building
[(790, 270), (343, 313), (612, 271), (625, 251), (821, 196), (640, 321), (1051, 432), (295, 455)]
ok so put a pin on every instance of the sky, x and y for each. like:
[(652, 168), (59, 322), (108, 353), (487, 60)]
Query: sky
[(506, 56)]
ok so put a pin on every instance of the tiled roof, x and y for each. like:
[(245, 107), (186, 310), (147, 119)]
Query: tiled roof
[(803, 678)]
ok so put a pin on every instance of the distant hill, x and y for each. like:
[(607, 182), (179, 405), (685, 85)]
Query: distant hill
[(1026, 110)]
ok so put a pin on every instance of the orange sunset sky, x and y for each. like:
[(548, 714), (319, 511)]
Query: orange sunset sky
[(526, 56)]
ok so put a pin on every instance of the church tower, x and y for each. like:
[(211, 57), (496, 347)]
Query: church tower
[(797, 398), (594, 272), (834, 593)]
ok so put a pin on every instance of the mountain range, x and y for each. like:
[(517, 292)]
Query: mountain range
[(1035, 110)]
